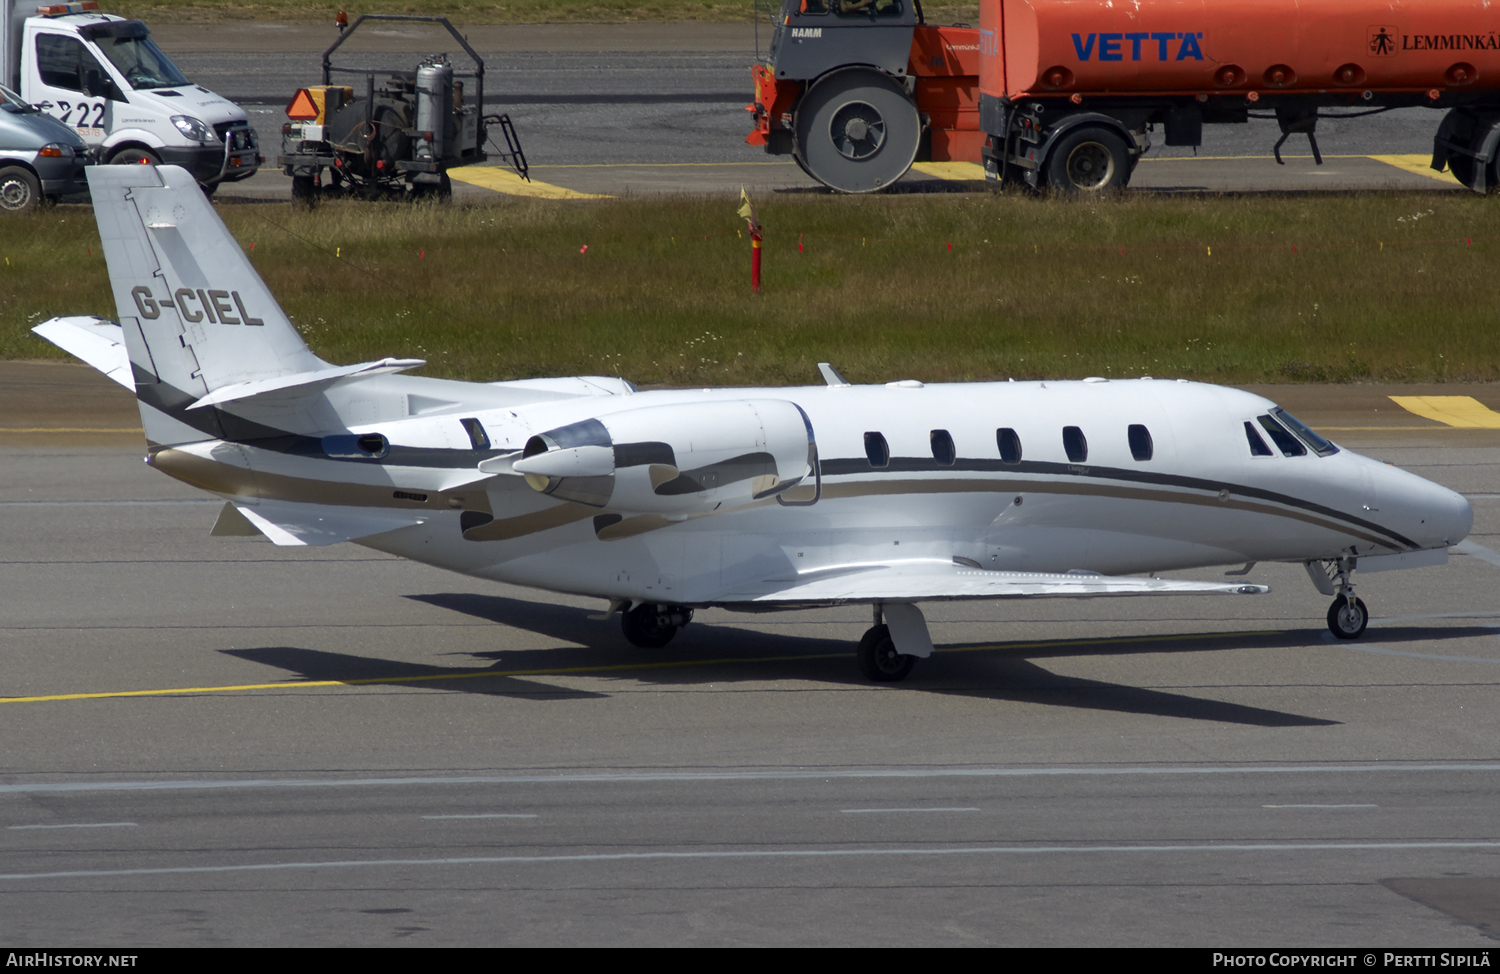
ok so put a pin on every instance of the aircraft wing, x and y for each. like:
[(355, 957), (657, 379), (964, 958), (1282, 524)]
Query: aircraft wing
[(99, 342), (932, 580)]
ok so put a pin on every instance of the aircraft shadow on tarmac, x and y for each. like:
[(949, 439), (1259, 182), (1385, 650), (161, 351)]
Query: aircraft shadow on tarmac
[(708, 653)]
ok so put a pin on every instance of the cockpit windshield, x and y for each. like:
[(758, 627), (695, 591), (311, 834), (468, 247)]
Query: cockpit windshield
[(129, 47), (1319, 445)]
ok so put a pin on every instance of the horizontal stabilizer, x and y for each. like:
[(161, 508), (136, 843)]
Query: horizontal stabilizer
[(98, 341), (304, 383), (322, 524), (916, 581)]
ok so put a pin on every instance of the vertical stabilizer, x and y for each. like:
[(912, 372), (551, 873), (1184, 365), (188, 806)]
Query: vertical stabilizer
[(196, 316)]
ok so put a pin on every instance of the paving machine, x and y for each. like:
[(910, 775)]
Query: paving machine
[(391, 133)]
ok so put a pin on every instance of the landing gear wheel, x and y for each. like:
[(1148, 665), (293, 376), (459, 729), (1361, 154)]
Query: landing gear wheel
[(645, 626), (857, 131), (878, 659), (1090, 159), (135, 157), (19, 190), (1348, 621)]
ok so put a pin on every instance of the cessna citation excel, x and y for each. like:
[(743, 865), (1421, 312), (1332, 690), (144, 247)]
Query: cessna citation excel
[(667, 501)]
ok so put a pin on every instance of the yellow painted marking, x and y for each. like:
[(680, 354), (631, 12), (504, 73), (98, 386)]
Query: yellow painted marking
[(507, 182), (615, 668), (1421, 165), (950, 170), (1463, 412), (654, 165), (70, 429)]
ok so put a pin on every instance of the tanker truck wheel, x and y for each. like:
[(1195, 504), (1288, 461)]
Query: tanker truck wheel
[(857, 131), (1090, 159)]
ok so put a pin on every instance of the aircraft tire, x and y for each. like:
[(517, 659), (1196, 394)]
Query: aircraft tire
[(878, 659), (1089, 159), (1348, 622), (643, 626)]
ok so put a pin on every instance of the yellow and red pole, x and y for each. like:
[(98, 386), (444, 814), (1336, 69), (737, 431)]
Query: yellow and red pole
[(755, 261)]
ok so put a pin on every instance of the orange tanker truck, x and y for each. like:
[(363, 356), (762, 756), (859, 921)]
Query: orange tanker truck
[(1069, 93)]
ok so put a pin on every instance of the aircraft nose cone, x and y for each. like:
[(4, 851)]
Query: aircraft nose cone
[(1460, 518)]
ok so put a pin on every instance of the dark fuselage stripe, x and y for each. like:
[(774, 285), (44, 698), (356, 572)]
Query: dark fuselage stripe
[(861, 467)]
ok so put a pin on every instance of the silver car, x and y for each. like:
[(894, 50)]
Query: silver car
[(40, 157)]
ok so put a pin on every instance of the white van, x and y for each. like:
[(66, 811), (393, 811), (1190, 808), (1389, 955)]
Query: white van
[(104, 77)]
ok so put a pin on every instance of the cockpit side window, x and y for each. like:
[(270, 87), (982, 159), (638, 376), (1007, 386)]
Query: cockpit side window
[(1319, 445), (1258, 446), (1288, 444)]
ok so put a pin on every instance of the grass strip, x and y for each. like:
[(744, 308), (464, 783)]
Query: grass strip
[(1264, 288)]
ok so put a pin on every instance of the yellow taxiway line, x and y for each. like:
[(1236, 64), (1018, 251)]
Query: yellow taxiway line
[(507, 182), (614, 668), (1460, 412)]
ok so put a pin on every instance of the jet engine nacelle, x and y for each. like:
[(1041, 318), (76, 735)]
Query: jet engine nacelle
[(674, 460)]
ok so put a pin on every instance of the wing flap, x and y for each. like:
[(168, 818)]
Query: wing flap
[(918, 581)]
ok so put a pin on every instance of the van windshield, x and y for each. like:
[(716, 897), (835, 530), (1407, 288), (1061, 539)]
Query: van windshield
[(134, 54)]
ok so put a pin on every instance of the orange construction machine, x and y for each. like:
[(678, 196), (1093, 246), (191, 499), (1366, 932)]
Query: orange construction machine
[(1068, 93), (857, 90)]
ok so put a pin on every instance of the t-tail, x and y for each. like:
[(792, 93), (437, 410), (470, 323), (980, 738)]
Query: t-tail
[(200, 327)]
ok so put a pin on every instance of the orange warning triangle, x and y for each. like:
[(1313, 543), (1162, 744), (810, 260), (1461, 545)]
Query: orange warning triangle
[(302, 108)]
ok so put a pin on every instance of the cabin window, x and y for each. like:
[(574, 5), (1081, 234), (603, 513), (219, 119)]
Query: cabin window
[(1288, 444), (876, 450), (1140, 442), (1258, 446), (942, 448), (1076, 444), (1320, 446), (478, 438), (813, 7), (1009, 444)]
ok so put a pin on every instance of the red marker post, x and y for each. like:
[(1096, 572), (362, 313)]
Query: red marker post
[(747, 212), (755, 260)]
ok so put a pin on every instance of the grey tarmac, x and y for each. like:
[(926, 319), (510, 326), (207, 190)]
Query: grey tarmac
[(237, 744)]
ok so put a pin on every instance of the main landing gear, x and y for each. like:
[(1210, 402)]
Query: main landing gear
[(652, 626), (878, 659), (1347, 616), (889, 651)]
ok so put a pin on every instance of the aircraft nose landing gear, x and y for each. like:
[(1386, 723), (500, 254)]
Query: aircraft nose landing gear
[(652, 626), (1347, 616)]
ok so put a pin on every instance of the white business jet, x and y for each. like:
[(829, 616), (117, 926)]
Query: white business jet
[(667, 501)]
